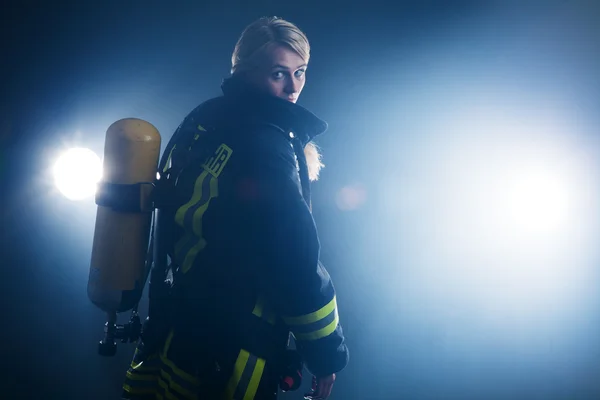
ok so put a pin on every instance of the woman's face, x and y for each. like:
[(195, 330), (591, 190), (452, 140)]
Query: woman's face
[(280, 72)]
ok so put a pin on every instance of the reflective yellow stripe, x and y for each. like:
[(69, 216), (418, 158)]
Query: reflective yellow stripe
[(196, 197), (167, 380), (140, 377), (321, 333), (190, 257), (182, 217), (214, 192), (255, 380), (258, 307), (238, 369), (143, 367), (149, 364), (315, 325), (163, 357), (168, 393), (189, 216), (262, 310), (168, 343), (172, 384), (247, 373), (314, 316), (139, 391)]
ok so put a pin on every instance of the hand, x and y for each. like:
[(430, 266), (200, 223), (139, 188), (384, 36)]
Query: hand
[(321, 388)]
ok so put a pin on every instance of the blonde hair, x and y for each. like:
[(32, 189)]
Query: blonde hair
[(263, 33), (258, 37)]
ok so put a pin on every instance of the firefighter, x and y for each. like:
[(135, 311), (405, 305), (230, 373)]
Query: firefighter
[(242, 242)]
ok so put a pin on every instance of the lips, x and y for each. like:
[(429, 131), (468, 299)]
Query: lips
[(291, 99)]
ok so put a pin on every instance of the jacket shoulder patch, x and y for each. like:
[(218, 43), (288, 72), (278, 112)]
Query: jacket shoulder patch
[(218, 161)]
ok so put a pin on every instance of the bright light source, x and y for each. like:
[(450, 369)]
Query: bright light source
[(494, 210), (538, 200), (77, 172)]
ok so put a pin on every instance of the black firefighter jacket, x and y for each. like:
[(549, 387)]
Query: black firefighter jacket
[(244, 243)]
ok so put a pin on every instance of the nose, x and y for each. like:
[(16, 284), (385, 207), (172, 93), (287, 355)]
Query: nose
[(292, 86)]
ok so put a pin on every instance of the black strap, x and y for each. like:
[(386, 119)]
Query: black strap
[(126, 198)]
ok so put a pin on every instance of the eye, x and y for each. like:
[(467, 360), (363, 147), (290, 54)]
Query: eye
[(300, 72), (278, 75)]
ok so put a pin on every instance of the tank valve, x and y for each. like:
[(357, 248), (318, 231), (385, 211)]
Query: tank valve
[(129, 332)]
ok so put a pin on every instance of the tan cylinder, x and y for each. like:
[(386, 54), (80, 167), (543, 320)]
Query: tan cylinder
[(117, 269)]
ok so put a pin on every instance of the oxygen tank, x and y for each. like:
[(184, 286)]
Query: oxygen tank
[(118, 264)]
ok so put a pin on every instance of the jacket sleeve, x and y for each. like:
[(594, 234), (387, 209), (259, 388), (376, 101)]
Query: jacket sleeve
[(293, 279)]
